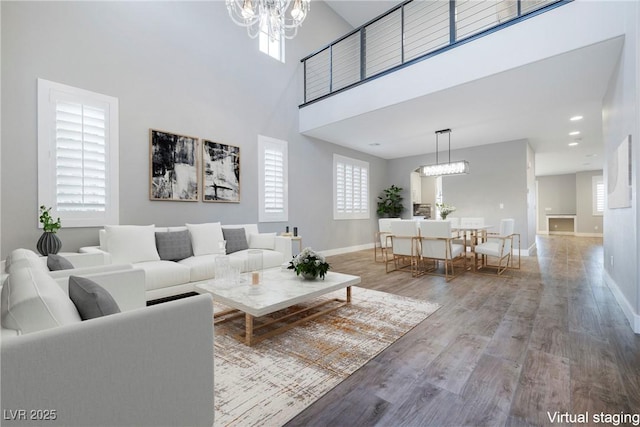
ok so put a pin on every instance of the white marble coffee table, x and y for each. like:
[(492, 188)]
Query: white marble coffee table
[(279, 289)]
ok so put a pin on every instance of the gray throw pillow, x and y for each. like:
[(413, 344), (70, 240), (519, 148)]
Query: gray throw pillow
[(91, 300), (236, 239), (58, 262), (173, 245)]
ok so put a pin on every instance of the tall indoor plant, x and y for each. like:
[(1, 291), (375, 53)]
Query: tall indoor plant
[(390, 203), (48, 243)]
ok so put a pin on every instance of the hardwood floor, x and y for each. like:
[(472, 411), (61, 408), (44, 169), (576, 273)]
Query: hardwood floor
[(500, 351)]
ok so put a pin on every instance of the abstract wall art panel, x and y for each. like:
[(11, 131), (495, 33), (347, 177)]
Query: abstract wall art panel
[(174, 167), (619, 176), (220, 172)]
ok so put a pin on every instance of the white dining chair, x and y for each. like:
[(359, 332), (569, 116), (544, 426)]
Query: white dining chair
[(470, 236), (435, 246), (498, 246), (380, 238), (402, 242)]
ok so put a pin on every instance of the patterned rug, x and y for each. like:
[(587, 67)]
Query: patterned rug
[(270, 383)]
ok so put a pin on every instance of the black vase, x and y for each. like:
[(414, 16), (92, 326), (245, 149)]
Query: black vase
[(48, 243)]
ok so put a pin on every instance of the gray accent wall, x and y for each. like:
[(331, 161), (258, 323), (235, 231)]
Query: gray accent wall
[(569, 194), (556, 196), (588, 223), (531, 196), (182, 67), (497, 176)]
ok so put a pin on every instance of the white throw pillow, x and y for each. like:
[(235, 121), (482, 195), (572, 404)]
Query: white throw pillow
[(206, 238), (32, 301), (129, 244), (262, 241)]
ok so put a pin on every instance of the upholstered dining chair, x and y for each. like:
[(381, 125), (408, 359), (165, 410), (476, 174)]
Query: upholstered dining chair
[(380, 238), (471, 238), (498, 246), (402, 242), (435, 245)]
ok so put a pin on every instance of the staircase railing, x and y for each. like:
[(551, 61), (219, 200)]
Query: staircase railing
[(410, 32)]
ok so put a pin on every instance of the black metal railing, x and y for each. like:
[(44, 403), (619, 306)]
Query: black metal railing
[(409, 32)]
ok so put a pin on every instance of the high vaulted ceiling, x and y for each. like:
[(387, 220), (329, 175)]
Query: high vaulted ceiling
[(495, 109)]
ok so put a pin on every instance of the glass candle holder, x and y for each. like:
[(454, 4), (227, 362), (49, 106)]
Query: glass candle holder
[(254, 266), (222, 267)]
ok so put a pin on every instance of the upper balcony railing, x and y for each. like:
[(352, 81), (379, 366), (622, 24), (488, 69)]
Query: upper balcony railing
[(410, 32)]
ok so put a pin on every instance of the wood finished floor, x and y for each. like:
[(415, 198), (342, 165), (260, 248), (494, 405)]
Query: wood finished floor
[(500, 351)]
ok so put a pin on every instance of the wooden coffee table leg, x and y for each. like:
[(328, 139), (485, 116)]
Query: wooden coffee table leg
[(348, 293), (248, 336)]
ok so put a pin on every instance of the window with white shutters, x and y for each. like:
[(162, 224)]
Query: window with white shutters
[(77, 154), (273, 173), (597, 189), (351, 188)]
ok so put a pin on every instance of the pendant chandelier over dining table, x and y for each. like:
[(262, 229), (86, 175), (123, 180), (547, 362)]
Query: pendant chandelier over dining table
[(449, 168), (274, 17)]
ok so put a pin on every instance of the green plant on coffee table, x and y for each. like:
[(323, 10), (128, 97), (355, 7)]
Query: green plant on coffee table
[(445, 209), (309, 263), (48, 224)]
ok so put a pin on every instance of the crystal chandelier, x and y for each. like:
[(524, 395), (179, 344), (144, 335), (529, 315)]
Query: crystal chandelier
[(451, 168), (271, 16)]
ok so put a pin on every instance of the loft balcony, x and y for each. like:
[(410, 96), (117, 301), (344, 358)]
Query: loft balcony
[(412, 31), (517, 79)]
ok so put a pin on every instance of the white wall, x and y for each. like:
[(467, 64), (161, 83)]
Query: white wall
[(182, 67), (621, 117)]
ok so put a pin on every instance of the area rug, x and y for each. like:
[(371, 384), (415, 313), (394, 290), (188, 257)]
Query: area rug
[(270, 383)]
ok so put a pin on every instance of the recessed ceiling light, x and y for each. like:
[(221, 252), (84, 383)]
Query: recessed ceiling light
[(575, 132), (573, 144), (576, 118)]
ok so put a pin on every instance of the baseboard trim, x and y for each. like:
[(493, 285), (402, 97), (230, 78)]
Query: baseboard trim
[(568, 233), (627, 309), (340, 251)]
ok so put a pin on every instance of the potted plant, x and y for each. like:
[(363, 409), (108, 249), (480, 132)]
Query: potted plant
[(309, 264), (48, 243), (390, 203), (445, 209)]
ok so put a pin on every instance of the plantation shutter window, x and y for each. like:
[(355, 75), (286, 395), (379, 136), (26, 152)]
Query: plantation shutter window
[(598, 195), (77, 155), (80, 157), (273, 179), (351, 188)]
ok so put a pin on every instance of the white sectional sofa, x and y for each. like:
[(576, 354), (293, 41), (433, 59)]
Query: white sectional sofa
[(175, 259), (142, 366)]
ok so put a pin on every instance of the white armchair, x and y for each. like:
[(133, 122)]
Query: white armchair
[(436, 245), (498, 246), (402, 242)]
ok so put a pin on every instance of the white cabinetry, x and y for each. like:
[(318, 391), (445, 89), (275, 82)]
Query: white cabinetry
[(416, 188)]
